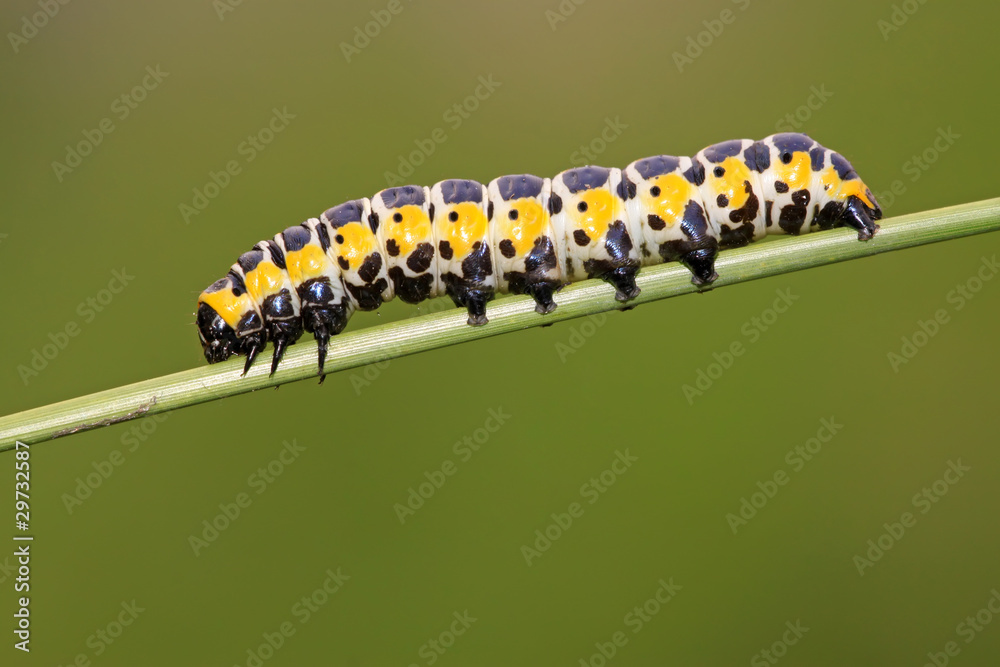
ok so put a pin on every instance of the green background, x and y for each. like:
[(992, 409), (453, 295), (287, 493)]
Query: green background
[(370, 435)]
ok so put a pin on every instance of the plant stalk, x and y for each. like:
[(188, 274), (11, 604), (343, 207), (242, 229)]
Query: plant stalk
[(397, 339)]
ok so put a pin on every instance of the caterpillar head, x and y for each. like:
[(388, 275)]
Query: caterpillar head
[(229, 323), (218, 339), (857, 205)]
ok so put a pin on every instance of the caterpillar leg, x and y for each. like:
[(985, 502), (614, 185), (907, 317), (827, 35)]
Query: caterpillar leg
[(283, 334), (252, 348), (283, 323), (623, 280), (542, 294), (475, 302), (699, 259), (323, 323), (541, 291), (702, 265)]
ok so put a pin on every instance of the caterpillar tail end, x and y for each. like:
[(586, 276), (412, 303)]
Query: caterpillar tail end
[(861, 217)]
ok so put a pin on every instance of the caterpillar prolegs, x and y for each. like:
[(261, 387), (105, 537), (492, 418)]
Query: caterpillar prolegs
[(526, 235)]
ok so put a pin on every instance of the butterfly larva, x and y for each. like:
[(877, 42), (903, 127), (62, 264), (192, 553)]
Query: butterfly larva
[(526, 235)]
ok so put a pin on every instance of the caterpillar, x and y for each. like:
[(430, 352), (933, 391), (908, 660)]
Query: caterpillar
[(523, 234)]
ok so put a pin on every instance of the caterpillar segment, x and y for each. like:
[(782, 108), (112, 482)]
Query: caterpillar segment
[(665, 201), (523, 234), (732, 191), (527, 251), (405, 232), (466, 271), (790, 181), (272, 292), (355, 247), (811, 188), (588, 205), (313, 270)]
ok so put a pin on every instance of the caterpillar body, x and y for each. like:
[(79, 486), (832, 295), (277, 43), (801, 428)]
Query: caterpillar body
[(526, 235)]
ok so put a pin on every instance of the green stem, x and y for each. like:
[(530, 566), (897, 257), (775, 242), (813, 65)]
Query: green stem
[(397, 339)]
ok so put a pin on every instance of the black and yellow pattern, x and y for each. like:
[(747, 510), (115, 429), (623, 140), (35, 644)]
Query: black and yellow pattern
[(523, 234)]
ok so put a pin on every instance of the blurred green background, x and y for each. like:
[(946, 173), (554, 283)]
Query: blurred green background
[(878, 94)]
